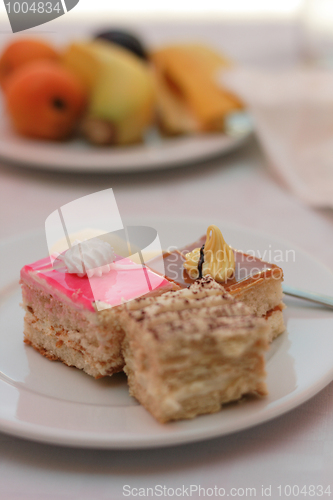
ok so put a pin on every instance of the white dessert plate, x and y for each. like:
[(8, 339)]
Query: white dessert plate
[(155, 153), (50, 402)]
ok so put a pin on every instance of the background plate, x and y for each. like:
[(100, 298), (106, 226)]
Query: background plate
[(50, 402), (156, 153)]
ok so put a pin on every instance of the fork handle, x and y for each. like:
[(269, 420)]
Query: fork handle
[(324, 300)]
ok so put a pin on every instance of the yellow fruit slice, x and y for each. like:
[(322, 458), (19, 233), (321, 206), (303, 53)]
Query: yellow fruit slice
[(190, 72), (173, 114), (121, 87)]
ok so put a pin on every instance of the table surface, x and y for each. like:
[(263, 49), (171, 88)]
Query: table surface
[(295, 449)]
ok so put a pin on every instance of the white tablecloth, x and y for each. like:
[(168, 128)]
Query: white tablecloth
[(295, 449)]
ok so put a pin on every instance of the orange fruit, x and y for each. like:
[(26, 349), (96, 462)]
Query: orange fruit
[(45, 100), (21, 52)]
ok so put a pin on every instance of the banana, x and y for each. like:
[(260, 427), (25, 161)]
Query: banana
[(121, 88)]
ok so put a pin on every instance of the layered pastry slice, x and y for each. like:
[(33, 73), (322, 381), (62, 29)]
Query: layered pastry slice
[(256, 283), (188, 352), (74, 318)]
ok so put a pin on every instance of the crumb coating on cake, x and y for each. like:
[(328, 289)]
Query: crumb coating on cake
[(193, 350)]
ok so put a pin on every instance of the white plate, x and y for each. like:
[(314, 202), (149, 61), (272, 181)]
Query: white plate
[(155, 153), (48, 401)]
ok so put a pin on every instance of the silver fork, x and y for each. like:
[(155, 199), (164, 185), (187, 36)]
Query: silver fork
[(318, 298)]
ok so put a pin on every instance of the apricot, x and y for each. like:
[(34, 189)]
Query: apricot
[(45, 100), (21, 52)]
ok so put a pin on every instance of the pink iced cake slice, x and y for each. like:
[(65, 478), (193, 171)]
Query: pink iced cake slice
[(75, 319)]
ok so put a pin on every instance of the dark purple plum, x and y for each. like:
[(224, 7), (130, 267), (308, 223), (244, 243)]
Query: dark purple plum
[(126, 40)]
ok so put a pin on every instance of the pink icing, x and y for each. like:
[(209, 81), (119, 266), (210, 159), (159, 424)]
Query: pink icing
[(112, 288)]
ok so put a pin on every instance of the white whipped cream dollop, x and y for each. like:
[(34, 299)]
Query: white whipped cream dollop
[(91, 257)]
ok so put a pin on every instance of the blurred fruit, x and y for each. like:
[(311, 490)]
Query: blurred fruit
[(185, 76), (21, 52), (126, 40), (174, 116), (121, 88), (45, 100)]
